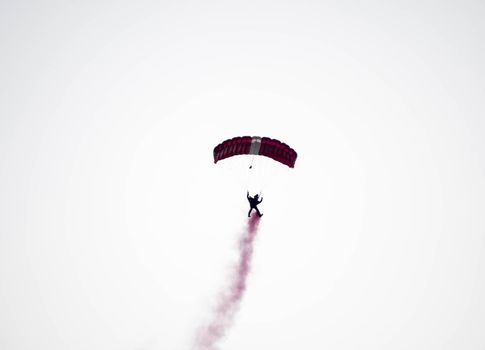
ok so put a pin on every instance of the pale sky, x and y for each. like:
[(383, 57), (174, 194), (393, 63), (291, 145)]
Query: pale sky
[(117, 231)]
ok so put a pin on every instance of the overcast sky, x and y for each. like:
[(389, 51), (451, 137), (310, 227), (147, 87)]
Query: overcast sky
[(117, 231)]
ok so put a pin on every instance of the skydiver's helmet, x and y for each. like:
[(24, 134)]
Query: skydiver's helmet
[(256, 196)]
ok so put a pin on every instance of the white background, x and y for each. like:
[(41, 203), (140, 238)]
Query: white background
[(117, 230)]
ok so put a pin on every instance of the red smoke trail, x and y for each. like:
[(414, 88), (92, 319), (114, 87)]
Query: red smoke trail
[(230, 299)]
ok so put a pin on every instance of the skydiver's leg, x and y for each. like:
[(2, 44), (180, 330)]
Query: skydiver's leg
[(257, 211), (249, 213)]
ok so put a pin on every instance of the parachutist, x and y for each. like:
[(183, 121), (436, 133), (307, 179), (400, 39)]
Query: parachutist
[(253, 202)]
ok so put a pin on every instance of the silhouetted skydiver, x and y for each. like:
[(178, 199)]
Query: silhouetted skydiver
[(253, 202)]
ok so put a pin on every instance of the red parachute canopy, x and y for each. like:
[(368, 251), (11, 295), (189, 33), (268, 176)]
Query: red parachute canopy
[(263, 146)]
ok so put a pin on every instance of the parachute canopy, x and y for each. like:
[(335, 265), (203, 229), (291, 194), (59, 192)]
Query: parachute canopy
[(263, 146)]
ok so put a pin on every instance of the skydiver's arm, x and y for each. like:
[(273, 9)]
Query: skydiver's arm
[(260, 200)]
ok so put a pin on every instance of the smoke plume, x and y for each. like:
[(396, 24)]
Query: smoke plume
[(230, 299)]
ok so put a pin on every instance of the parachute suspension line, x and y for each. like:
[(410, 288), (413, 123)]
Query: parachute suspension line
[(253, 174), (252, 160)]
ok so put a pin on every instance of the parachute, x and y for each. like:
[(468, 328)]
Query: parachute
[(255, 145)]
